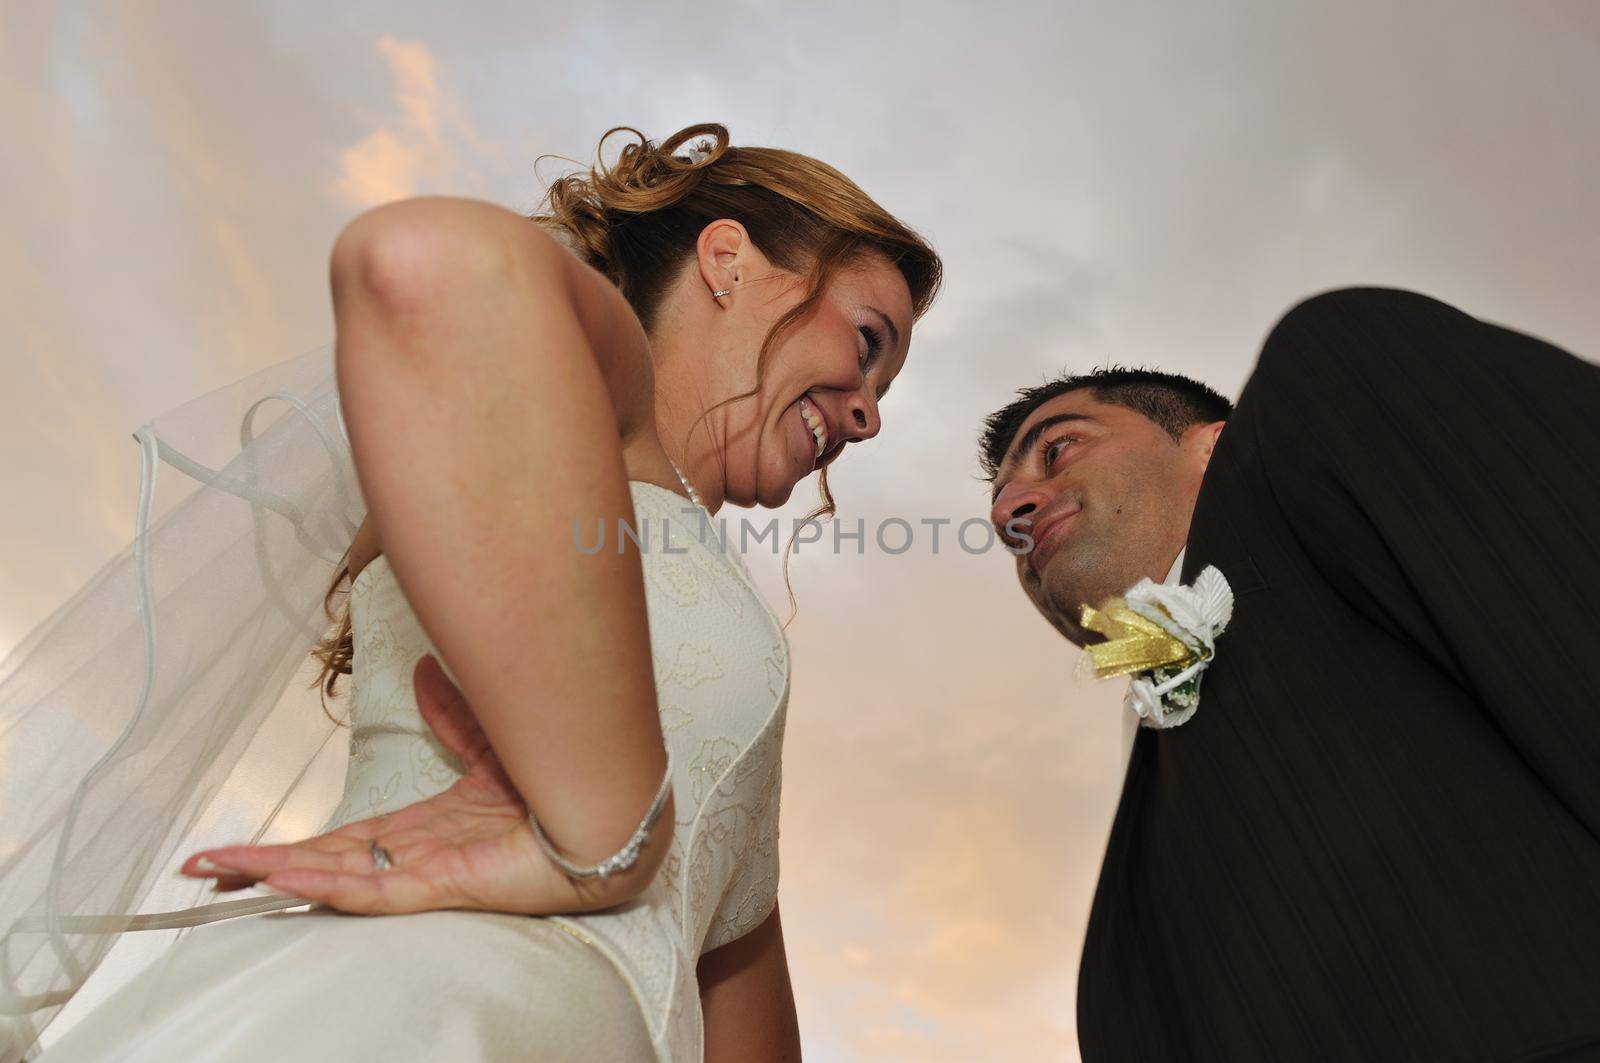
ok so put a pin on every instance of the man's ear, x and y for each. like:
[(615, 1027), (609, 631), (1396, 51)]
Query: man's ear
[(1200, 440)]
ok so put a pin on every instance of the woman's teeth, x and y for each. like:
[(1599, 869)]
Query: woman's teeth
[(814, 421)]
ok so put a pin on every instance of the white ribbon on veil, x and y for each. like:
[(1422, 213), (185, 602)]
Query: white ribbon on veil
[(167, 706)]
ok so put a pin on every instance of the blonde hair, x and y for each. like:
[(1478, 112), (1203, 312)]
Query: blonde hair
[(637, 220)]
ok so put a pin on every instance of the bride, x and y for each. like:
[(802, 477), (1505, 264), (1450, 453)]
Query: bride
[(558, 832)]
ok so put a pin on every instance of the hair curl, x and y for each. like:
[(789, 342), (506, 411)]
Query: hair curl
[(637, 220)]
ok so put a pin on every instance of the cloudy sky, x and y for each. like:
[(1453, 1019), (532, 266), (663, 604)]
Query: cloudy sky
[(1131, 182)]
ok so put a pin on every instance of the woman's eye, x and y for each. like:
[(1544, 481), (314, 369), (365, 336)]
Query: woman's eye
[(870, 348)]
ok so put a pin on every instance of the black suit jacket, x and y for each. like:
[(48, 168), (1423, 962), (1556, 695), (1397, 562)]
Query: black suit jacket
[(1379, 836)]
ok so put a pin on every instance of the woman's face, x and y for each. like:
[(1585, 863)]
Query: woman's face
[(823, 381)]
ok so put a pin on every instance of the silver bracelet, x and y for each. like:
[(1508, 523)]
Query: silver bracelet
[(623, 858)]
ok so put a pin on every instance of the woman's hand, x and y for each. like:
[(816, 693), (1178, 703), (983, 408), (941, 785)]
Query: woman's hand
[(468, 847)]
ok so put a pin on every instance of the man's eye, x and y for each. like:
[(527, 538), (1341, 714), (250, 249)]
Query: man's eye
[(1053, 449)]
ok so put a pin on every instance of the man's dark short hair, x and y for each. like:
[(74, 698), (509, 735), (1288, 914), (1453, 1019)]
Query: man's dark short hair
[(1175, 403)]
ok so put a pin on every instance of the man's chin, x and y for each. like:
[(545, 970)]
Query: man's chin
[(1072, 632), (1053, 585), (1035, 579), (1064, 621), (1060, 599)]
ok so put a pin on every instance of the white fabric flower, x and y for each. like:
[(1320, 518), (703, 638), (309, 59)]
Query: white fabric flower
[(1195, 615)]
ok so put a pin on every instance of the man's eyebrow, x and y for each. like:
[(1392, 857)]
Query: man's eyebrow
[(1045, 424), (1025, 444)]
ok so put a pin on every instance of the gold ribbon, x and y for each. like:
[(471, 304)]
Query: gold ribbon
[(1133, 643)]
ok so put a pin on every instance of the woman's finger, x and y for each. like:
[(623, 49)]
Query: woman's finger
[(375, 893), (206, 863), (325, 853)]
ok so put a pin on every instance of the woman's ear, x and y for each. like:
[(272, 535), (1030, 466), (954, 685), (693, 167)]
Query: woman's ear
[(722, 253)]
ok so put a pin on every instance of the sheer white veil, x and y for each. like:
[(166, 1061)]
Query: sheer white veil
[(168, 705)]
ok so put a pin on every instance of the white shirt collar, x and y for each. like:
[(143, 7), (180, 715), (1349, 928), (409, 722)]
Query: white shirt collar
[(1175, 574)]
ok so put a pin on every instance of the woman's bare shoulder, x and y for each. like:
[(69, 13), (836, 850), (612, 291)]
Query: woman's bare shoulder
[(409, 243), (421, 249)]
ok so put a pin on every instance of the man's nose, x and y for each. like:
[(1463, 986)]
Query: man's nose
[(1016, 504)]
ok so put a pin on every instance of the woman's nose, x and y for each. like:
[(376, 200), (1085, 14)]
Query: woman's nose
[(861, 416), (1015, 504)]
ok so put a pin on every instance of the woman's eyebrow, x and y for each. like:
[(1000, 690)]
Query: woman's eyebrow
[(888, 323)]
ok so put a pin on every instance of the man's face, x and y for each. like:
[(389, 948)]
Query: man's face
[(1106, 495)]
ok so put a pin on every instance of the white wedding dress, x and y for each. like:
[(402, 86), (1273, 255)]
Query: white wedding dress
[(455, 985)]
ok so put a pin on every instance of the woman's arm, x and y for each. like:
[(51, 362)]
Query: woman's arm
[(490, 382), (747, 999)]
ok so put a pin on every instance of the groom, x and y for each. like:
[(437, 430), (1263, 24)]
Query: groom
[(1378, 838)]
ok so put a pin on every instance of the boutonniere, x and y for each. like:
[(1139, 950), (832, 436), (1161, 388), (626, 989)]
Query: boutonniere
[(1164, 637)]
